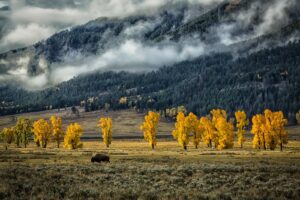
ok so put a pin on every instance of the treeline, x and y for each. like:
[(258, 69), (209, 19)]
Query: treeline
[(215, 130), (218, 131), (43, 132)]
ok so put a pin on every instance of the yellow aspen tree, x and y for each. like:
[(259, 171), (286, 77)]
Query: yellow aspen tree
[(279, 123), (106, 126), (298, 117), (42, 132), (225, 133), (255, 130), (181, 130), (149, 127), (194, 128), (215, 115), (241, 123), (7, 135), (23, 131), (258, 130), (72, 137), (208, 131), (269, 129), (56, 128)]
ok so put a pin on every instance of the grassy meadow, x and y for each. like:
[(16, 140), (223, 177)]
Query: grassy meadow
[(126, 123), (138, 172)]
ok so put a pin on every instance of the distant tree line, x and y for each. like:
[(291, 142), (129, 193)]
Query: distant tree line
[(215, 130)]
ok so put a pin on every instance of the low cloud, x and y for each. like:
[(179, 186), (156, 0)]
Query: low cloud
[(24, 35), (130, 53), (259, 19), (48, 18), (275, 17), (132, 56)]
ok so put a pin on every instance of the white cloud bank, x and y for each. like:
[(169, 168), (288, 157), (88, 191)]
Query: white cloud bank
[(131, 55), (39, 21), (24, 35), (274, 15)]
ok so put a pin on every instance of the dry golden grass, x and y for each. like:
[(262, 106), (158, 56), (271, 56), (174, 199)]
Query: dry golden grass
[(137, 172), (125, 122)]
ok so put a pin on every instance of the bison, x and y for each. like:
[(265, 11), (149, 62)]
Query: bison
[(100, 158)]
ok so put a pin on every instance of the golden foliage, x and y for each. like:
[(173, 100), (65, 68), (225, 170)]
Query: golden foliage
[(241, 123), (224, 137), (106, 126), (56, 128), (194, 128), (149, 127), (7, 136), (258, 129), (269, 131), (23, 131), (216, 114), (225, 133), (181, 131), (209, 133), (72, 136), (279, 123), (42, 132), (275, 131)]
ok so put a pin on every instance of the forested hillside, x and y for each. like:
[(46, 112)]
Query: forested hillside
[(214, 58), (266, 79)]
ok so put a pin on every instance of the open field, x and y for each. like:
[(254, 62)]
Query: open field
[(126, 123), (137, 172)]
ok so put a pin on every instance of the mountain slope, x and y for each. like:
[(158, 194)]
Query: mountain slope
[(216, 29), (266, 79), (240, 68)]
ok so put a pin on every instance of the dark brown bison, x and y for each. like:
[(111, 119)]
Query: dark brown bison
[(100, 158)]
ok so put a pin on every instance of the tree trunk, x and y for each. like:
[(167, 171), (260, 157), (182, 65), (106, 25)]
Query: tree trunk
[(272, 145), (196, 146), (57, 140), (152, 145), (264, 142), (185, 148), (281, 145)]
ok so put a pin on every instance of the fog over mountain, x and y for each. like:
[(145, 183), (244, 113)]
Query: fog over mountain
[(44, 18), (124, 43)]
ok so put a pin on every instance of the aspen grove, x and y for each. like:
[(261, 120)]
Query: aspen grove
[(215, 130)]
